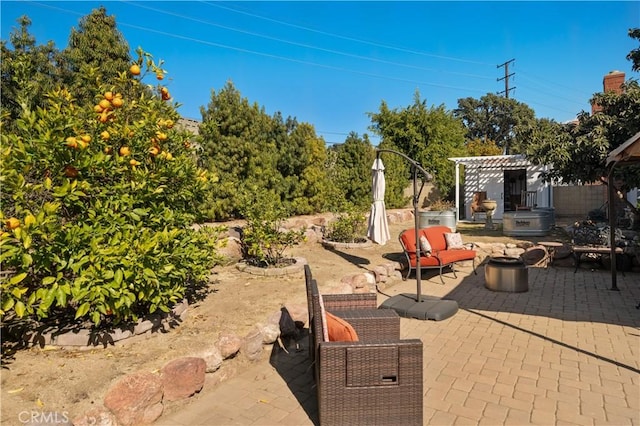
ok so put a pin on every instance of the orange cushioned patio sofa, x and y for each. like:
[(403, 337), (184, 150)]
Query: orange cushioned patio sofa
[(440, 256)]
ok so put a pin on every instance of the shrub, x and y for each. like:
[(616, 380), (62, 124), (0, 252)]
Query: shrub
[(98, 203), (348, 227), (441, 205), (264, 241)]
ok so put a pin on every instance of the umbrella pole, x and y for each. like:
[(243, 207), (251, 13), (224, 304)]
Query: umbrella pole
[(416, 195), (417, 229)]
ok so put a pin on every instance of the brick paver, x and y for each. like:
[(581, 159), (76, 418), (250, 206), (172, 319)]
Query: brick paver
[(565, 352)]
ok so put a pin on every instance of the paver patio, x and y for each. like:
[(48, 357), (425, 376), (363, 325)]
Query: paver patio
[(565, 352)]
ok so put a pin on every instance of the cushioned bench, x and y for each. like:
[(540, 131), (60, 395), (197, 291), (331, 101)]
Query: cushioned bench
[(440, 255)]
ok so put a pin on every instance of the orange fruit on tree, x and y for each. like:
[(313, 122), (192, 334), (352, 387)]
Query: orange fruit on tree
[(12, 223), (103, 117), (134, 162), (105, 104), (117, 102), (161, 136), (108, 96), (71, 142), (82, 144), (98, 109), (159, 75), (154, 151), (134, 69), (105, 135), (107, 150), (124, 151), (86, 138)]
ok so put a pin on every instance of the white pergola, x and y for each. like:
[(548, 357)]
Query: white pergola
[(489, 162), (627, 154)]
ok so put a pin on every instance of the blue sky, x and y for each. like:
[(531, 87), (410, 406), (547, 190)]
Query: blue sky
[(331, 63)]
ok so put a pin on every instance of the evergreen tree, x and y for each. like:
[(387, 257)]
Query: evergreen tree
[(309, 194), (236, 148), (352, 176), (28, 71), (97, 50)]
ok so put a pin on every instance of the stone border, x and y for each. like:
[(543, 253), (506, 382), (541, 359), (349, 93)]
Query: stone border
[(337, 245), (273, 272), (87, 338)]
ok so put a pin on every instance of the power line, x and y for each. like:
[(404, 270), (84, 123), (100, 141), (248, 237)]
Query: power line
[(304, 45), (309, 63), (547, 83), (375, 44), (273, 56)]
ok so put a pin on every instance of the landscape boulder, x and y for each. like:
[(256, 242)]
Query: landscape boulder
[(229, 344), (183, 377), (136, 399)]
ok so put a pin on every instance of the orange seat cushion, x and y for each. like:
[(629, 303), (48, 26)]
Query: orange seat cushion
[(439, 253), (340, 330)]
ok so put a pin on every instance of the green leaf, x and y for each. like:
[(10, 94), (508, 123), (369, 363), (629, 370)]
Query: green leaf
[(48, 280), (26, 243), (27, 260), (19, 309), (61, 298), (8, 304), (17, 278), (118, 277), (82, 309), (18, 292), (149, 273)]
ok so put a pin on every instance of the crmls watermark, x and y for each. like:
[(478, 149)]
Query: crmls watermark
[(34, 417)]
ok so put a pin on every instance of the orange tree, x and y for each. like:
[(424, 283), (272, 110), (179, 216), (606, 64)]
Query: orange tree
[(98, 203)]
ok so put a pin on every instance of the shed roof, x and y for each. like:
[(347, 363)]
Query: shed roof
[(493, 161), (627, 153)]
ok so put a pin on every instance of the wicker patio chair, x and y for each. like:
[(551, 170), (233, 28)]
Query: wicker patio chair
[(376, 380)]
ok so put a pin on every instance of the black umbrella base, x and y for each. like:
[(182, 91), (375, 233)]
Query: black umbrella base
[(429, 308)]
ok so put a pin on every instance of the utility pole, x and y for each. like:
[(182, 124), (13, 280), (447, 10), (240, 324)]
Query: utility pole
[(506, 78)]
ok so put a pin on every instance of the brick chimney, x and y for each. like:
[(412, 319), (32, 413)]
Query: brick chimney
[(611, 82)]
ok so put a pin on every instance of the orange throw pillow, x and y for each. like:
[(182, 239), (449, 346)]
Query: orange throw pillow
[(340, 330)]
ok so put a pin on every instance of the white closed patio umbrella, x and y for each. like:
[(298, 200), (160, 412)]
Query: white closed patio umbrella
[(378, 229)]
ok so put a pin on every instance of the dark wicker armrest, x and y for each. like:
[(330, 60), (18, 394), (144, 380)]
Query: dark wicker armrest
[(372, 324), (371, 383), (350, 301)]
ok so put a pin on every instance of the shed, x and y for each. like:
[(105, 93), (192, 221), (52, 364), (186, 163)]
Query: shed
[(503, 178)]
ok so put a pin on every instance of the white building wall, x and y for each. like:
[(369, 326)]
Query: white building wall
[(492, 181)]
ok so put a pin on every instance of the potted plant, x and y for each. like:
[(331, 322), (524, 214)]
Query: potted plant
[(347, 230), (439, 212), (264, 241)]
